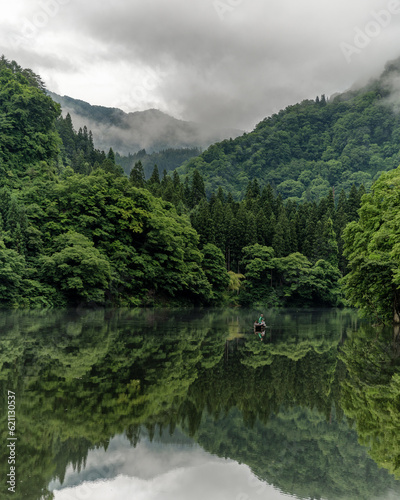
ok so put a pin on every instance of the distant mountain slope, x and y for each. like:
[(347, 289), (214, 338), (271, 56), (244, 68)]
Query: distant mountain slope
[(130, 132), (310, 147)]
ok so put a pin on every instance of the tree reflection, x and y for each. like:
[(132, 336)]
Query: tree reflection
[(371, 392), (83, 377)]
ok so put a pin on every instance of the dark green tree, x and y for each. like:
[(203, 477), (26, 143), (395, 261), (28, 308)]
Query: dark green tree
[(137, 175)]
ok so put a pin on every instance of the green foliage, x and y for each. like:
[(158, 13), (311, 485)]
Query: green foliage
[(137, 175), (133, 241), (82, 378), (370, 392), (372, 247), (77, 268), (288, 281), (12, 267), (215, 271), (27, 114), (75, 230)]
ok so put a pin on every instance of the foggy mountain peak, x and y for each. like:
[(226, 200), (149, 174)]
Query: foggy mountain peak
[(151, 129)]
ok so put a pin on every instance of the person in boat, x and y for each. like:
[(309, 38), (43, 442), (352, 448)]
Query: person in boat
[(259, 327)]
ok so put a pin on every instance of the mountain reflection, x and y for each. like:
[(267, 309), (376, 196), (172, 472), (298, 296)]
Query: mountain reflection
[(202, 379)]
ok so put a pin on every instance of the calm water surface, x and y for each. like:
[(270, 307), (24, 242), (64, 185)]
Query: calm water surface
[(186, 404)]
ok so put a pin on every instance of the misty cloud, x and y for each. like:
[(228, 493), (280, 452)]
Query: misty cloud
[(227, 62)]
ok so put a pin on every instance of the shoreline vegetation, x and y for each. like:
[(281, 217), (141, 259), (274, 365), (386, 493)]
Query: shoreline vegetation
[(280, 217)]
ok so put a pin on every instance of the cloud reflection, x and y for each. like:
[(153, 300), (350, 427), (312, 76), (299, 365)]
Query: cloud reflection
[(156, 471)]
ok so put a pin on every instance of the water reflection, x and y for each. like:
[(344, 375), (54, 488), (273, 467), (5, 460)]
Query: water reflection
[(160, 469), (185, 387)]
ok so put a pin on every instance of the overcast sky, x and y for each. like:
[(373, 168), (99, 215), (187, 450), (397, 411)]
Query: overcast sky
[(226, 62)]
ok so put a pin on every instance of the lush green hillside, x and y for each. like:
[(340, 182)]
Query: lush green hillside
[(310, 147), (73, 228)]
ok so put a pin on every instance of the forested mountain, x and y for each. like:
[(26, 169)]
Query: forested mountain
[(131, 132), (73, 228), (310, 147)]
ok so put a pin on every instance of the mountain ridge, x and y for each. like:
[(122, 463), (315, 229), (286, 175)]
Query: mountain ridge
[(151, 129), (313, 146)]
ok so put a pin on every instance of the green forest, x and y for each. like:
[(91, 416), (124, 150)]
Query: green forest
[(257, 220)]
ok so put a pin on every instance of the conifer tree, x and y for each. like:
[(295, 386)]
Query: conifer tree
[(111, 155), (353, 203), (228, 228), (186, 192), (221, 195), (281, 239), (264, 233), (325, 243), (340, 221), (202, 222), (136, 176), (197, 191), (155, 177), (218, 222)]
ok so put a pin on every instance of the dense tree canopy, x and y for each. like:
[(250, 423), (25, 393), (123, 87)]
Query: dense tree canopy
[(372, 246)]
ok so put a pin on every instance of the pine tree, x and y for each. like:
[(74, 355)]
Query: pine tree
[(202, 222), (353, 203), (307, 230), (264, 235), (218, 221), (136, 176), (325, 243), (228, 228), (221, 195), (111, 156), (281, 239), (155, 176), (186, 192), (197, 191)]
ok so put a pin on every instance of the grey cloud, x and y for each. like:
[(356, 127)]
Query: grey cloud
[(231, 69)]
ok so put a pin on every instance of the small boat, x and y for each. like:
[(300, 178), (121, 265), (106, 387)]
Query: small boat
[(259, 328)]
